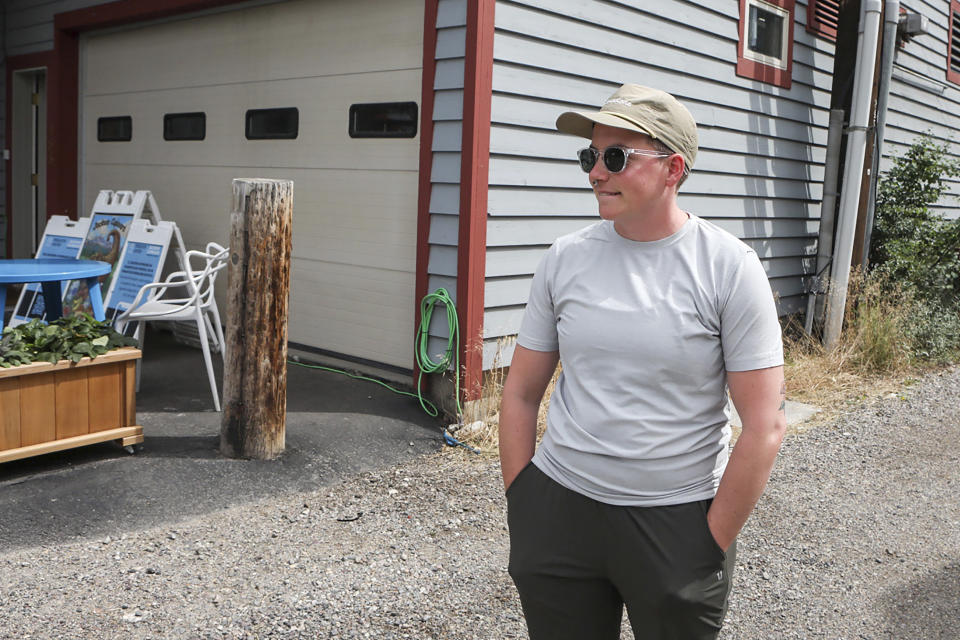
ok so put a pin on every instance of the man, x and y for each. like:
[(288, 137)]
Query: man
[(632, 498)]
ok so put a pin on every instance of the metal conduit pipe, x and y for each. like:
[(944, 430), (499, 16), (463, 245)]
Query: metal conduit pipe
[(869, 38), (828, 215), (891, 18)]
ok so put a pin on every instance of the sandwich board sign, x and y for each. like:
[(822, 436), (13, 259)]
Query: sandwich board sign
[(104, 236), (62, 238), (113, 212), (141, 263)]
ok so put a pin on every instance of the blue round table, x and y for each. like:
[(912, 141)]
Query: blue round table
[(50, 273)]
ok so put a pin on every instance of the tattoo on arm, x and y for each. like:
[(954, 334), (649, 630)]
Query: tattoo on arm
[(783, 396)]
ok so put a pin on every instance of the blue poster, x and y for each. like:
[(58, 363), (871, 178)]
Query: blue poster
[(141, 263)]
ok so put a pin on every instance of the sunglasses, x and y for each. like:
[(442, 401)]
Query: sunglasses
[(614, 158)]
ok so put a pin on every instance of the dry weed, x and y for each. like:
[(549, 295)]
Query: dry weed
[(482, 420), (871, 359)]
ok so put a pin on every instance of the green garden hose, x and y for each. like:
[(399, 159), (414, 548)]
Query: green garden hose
[(424, 363), (452, 352)]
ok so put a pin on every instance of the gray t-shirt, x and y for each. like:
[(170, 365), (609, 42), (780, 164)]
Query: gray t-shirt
[(646, 332)]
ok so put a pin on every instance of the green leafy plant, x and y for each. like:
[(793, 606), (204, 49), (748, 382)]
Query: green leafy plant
[(915, 252), (911, 243), (70, 338)]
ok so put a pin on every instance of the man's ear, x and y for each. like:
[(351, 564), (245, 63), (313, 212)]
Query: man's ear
[(675, 167)]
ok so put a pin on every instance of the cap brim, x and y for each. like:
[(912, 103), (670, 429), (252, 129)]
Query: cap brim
[(580, 123)]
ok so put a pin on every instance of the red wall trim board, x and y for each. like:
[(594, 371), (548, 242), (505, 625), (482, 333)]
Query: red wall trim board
[(426, 160), (62, 126), (120, 12), (474, 180)]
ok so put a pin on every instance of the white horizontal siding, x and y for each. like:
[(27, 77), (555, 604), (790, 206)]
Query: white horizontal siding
[(513, 291), (922, 101), (759, 171), (541, 231), (447, 144)]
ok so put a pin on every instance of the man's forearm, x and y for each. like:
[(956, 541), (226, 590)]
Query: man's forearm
[(518, 435), (743, 483)]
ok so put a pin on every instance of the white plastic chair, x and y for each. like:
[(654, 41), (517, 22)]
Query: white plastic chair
[(199, 303)]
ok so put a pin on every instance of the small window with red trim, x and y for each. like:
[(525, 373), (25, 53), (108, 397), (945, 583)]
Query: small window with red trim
[(765, 50), (953, 46), (823, 17)]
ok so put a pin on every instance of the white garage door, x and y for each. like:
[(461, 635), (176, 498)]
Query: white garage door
[(355, 199)]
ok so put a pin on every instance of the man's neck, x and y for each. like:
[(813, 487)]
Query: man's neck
[(657, 226)]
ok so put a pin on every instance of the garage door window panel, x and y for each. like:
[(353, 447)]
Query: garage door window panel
[(383, 120), (115, 129), (185, 126), (273, 124)]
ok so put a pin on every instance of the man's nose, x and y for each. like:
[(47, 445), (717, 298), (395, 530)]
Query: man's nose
[(598, 172)]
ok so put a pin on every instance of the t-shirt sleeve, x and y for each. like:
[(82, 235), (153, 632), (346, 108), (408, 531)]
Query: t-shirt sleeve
[(538, 330), (749, 325)]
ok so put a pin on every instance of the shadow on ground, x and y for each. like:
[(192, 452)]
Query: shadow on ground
[(927, 608), (336, 427)]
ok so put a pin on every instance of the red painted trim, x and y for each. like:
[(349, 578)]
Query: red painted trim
[(426, 160), (63, 92), (763, 72), (14, 64), (474, 181), (121, 12), (952, 44)]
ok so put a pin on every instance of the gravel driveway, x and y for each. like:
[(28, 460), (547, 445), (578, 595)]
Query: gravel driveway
[(858, 536)]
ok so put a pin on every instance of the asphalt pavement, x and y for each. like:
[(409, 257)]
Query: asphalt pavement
[(336, 427)]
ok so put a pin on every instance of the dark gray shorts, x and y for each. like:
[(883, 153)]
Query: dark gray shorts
[(576, 562)]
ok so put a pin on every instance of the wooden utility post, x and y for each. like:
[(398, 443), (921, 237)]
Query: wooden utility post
[(258, 291)]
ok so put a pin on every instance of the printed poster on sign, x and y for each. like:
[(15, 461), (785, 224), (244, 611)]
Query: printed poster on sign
[(104, 242), (141, 264)]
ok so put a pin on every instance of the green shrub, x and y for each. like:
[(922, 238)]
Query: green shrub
[(934, 332), (910, 243), (915, 254)]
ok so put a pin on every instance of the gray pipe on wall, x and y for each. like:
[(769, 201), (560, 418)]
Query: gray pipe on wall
[(828, 215), (869, 39), (891, 13)]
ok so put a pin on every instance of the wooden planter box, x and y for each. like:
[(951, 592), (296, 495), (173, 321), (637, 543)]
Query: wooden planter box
[(49, 407)]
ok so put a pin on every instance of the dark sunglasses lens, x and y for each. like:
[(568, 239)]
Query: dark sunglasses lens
[(588, 158), (615, 158)]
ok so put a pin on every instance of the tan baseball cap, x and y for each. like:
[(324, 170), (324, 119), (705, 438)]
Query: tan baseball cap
[(635, 108)]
